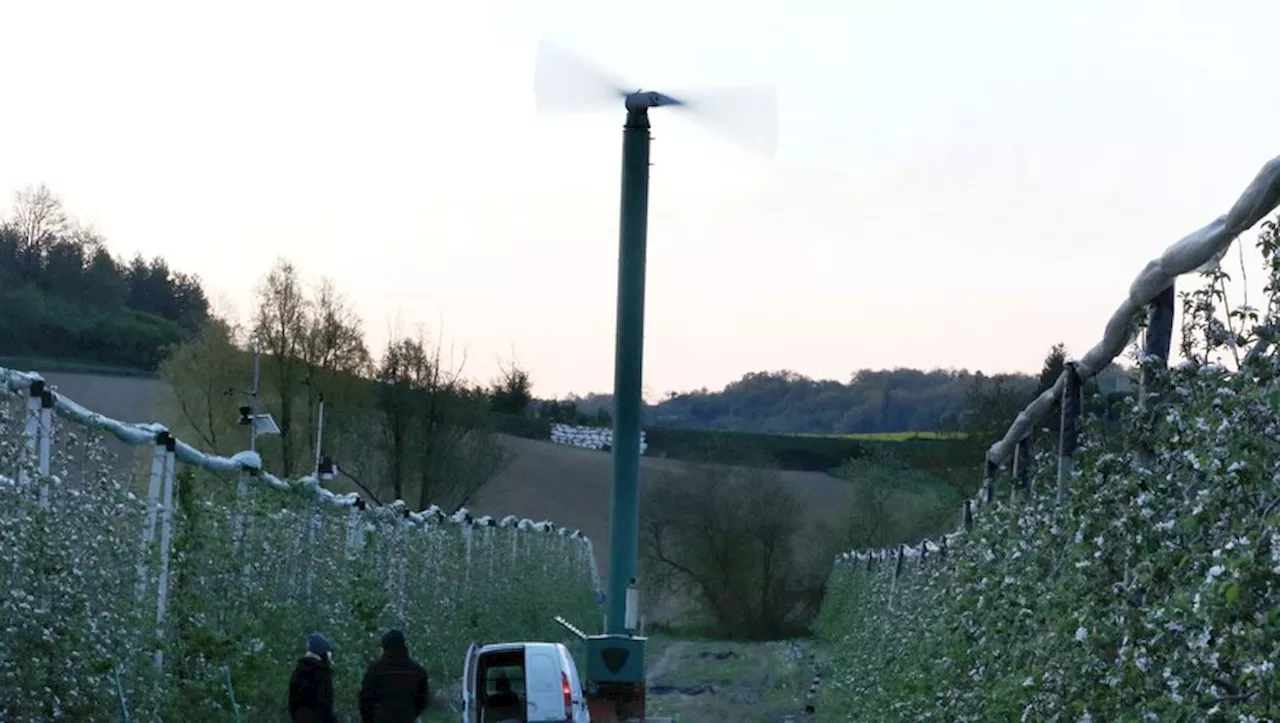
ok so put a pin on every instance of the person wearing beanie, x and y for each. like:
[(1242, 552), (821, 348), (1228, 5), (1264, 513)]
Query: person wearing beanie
[(311, 685), (395, 688)]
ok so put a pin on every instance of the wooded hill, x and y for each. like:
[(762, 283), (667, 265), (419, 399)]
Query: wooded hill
[(66, 297), (871, 401)]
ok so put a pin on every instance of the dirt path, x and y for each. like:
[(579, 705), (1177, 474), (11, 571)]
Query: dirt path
[(731, 682)]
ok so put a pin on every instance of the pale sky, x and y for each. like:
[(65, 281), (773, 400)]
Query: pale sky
[(956, 184)]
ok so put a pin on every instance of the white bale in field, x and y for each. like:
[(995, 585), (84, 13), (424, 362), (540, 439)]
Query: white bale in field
[(587, 437)]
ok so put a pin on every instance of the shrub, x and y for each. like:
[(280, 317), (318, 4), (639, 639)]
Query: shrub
[(732, 541)]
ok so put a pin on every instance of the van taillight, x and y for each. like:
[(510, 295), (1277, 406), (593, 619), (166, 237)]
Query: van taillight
[(568, 692)]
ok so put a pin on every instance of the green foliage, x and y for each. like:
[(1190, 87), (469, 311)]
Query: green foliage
[(795, 452), (521, 426), (733, 539), (896, 503), (512, 391), (567, 411), (897, 400), (66, 297), (1150, 593), (73, 613), (787, 452)]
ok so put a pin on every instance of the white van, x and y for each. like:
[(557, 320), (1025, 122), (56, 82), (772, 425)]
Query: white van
[(522, 683)]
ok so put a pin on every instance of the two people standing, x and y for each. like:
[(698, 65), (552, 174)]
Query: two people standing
[(394, 690)]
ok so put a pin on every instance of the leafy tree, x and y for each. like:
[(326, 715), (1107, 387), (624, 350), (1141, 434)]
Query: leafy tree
[(103, 286), (512, 391), (210, 377), (66, 297), (1054, 362)]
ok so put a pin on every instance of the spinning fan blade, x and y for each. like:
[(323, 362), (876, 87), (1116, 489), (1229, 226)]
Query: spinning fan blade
[(747, 115), (564, 82)]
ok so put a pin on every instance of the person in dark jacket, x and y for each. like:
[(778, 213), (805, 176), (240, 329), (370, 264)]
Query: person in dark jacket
[(311, 686), (395, 687)]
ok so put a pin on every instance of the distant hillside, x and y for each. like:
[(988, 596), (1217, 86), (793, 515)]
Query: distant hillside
[(879, 401)]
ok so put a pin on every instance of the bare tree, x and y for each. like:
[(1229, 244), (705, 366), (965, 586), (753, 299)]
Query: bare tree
[(38, 215), (38, 219), (398, 399), (335, 358), (436, 431), (281, 321)]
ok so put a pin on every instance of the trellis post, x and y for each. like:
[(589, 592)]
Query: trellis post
[(897, 572), (45, 426), (355, 533), (989, 471), (1159, 339), (159, 459), (1069, 435), (166, 543), (31, 430), (1022, 467)]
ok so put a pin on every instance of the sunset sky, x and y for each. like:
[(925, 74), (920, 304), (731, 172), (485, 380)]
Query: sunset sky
[(956, 184)]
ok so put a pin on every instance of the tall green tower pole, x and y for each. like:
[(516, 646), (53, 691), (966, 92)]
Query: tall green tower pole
[(624, 518), (615, 660)]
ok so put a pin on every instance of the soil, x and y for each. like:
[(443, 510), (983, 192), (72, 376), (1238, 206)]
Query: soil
[(731, 682), (571, 487)]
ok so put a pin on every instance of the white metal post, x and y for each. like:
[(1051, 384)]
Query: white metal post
[(313, 513), (312, 522), (45, 445), (31, 430), (467, 531), (242, 485), (166, 541), (257, 378), (319, 438), (402, 569), (153, 500), (354, 536)]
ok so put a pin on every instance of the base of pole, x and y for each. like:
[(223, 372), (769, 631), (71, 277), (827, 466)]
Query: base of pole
[(616, 702)]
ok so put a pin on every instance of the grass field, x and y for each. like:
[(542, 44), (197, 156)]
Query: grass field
[(44, 366), (893, 436)]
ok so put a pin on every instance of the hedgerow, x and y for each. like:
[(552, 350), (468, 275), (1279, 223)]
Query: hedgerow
[(1151, 592), (79, 635)]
